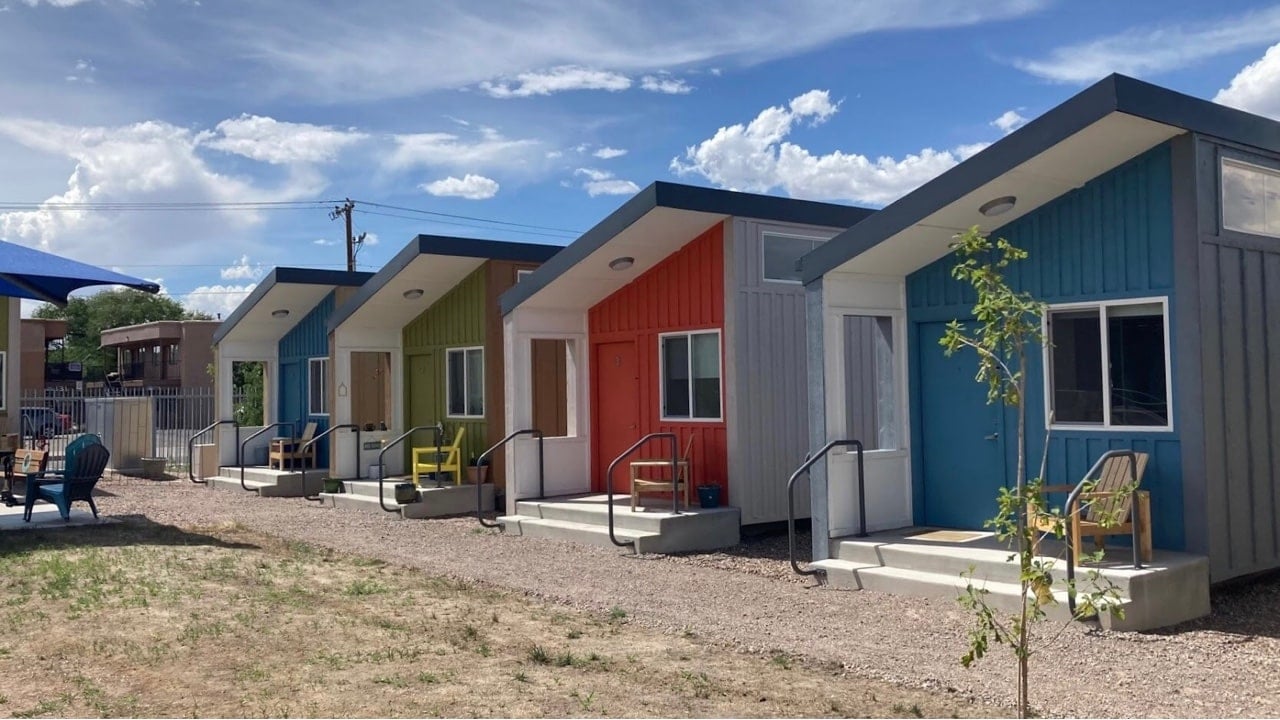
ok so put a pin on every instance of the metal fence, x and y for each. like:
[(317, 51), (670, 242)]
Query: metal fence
[(134, 422)]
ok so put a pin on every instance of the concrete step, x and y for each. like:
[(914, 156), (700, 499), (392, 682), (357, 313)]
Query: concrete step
[(369, 488), (369, 504), (581, 533), (269, 482), (690, 530), (432, 502)]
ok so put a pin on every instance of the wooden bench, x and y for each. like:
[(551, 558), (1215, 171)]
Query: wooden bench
[(26, 463)]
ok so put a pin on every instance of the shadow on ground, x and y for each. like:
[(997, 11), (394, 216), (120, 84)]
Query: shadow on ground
[(126, 530)]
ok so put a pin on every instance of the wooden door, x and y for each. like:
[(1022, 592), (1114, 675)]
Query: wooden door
[(617, 421)]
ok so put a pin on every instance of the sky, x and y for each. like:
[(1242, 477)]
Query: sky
[(199, 143)]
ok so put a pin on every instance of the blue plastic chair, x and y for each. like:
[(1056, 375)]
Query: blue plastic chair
[(84, 469)]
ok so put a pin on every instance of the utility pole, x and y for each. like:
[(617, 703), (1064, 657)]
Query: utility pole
[(344, 211)]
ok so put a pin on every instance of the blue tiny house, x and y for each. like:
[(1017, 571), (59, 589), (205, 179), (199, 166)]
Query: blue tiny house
[(1155, 243), (304, 373)]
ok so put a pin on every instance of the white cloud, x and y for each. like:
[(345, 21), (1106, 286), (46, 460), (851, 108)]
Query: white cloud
[(1155, 49), (666, 85), (471, 187), (558, 79), (145, 162), (83, 71), (608, 153), (324, 243), (382, 54), (217, 300), (1008, 122), (242, 270), (490, 150), (1256, 88), (280, 143), (602, 182), (756, 157)]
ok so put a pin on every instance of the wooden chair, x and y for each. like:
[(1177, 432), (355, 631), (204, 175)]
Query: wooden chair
[(285, 449), (1107, 509), (439, 459), (681, 481), (26, 464)]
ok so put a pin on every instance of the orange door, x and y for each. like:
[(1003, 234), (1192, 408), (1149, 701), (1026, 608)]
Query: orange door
[(617, 421)]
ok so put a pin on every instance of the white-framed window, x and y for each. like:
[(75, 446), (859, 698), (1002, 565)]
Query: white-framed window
[(464, 382), (1250, 198), (690, 382), (871, 387), (1107, 365), (779, 254), (318, 386), (4, 380), (522, 274)]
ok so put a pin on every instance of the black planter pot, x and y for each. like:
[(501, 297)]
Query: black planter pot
[(406, 493), (709, 496)]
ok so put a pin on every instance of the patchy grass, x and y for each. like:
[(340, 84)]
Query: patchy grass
[(220, 621)]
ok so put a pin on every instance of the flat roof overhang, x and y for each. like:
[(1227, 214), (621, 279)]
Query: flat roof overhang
[(1099, 129), (294, 290)]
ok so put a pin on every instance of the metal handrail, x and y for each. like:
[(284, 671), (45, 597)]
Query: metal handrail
[(810, 461), (191, 447), (313, 440), (1074, 496), (438, 428), (480, 463), (675, 465), (240, 455)]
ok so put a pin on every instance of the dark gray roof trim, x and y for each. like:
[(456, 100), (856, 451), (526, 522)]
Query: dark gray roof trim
[(441, 245), (286, 276), (1111, 94), (681, 197)]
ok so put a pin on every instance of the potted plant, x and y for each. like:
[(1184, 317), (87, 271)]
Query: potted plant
[(332, 485), (476, 472), (406, 493)]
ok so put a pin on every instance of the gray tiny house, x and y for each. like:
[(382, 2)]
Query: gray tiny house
[(1153, 224)]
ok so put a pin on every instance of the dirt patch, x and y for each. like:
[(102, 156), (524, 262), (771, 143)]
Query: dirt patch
[(139, 619)]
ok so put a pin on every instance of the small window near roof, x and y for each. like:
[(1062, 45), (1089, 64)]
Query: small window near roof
[(782, 252), (1250, 198), (522, 274)]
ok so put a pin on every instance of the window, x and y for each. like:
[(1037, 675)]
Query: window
[(465, 380), (173, 354), (522, 274), (318, 386), (781, 252), (4, 380), (691, 376), (871, 397), (1109, 365), (1250, 198)]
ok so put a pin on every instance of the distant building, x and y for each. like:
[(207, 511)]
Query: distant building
[(43, 363), (165, 353)]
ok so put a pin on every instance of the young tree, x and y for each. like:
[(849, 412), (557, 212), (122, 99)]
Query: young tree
[(1008, 322)]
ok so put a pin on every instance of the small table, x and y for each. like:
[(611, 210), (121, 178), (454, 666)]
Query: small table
[(642, 485)]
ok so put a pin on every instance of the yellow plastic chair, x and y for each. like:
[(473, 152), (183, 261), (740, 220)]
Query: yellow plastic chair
[(439, 459)]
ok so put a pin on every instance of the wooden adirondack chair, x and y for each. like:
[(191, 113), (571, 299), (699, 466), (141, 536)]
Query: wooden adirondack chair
[(439, 459), (1108, 501), (287, 449)]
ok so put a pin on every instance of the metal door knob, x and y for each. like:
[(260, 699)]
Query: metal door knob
[(993, 436)]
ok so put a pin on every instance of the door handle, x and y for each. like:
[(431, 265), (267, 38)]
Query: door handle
[(992, 436)]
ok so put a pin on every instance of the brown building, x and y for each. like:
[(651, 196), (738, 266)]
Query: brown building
[(43, 365), (165, 353)]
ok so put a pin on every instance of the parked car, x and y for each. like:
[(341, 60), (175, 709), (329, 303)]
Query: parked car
[(44, 422)]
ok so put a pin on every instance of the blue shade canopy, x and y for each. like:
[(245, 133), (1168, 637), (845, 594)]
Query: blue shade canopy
[(29, 273)]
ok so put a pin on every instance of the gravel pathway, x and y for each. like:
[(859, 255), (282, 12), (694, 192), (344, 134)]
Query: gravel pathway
[(1227, 665)]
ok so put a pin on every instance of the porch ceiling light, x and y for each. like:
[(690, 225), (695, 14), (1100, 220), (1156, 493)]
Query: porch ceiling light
[(281, 313), (412, 294), (621, 263), (999, 206)]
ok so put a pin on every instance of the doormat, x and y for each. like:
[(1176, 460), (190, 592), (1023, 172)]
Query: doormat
[(951, 536)]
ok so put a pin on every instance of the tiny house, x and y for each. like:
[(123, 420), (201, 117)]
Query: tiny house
[(1151, 226), (680, 312), (420, 344)]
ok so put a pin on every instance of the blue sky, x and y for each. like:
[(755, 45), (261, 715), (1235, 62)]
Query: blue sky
[(540, 112)]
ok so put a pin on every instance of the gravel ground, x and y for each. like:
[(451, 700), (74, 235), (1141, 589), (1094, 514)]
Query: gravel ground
[(1227, 665)]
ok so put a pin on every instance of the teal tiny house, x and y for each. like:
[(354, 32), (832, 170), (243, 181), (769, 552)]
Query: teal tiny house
[(1144, 215)]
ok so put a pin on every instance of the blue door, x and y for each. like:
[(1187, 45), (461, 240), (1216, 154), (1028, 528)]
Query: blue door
[(962, 438)]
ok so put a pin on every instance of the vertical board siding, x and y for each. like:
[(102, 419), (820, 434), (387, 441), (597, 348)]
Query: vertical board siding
[(1240, 291), (683, 292), (771, 379), (454, 321), (308, 339), (1112, 238)]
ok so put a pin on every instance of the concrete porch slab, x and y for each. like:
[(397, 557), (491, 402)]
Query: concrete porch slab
[(45, 517), (1172, 588), (652, 529)]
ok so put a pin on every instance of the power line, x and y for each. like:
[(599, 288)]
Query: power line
[(460, 224), (467, 217)]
